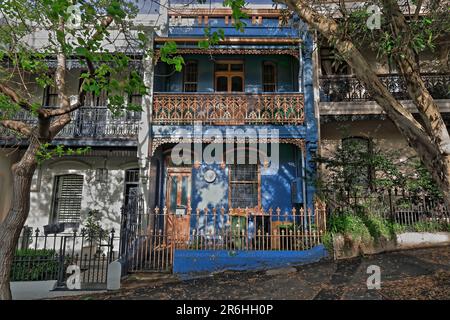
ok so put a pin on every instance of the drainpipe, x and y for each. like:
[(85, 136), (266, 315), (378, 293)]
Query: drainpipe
[(303, 152)]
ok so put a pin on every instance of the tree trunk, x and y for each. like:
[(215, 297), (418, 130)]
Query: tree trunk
[(428, 148), (11, 227)]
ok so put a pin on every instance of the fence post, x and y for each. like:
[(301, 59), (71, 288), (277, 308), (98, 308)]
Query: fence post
[(111, 246), (62, 255)]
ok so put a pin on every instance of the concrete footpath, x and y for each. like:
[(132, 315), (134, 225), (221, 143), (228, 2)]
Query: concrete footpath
[(412, 274), (34, 290)]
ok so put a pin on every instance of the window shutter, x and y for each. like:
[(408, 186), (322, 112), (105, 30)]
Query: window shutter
[(67, 205)]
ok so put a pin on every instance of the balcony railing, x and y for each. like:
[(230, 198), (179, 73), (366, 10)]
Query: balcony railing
[(348, 88), (89, 123), (228, 108)]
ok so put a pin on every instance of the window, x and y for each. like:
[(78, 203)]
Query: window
[(190, 76), (269, 77), (229, 76), (131, 185), (244, 186), (50, 96), (67, 198), (331, 64), (356, 152), (92, 100)]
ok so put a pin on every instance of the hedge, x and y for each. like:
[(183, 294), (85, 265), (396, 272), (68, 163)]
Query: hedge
[(34, 265)]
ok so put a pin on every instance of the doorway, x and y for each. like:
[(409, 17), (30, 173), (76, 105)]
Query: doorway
[(178, 202)]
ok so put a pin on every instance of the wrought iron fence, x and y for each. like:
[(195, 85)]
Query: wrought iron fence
[(89, 122), (227, 109), (339, 88), (400, 206), (149, 239), (41, 256)]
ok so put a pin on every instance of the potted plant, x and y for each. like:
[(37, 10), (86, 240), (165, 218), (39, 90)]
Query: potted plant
[(94, 234)]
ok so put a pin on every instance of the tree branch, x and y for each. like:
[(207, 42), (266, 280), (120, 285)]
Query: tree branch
[(14, 96), (66, 107), (418, 8), (410, 128), (405, 60), (18, 126)]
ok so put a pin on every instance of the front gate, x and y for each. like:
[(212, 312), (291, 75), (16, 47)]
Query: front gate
[(67, 258), (146, 244)]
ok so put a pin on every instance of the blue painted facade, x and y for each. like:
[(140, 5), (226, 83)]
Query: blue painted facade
[(293, 74), (189, 263), (286, 66)]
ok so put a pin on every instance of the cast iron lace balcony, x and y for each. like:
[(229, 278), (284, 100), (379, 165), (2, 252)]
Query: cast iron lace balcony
[(228, 108), (90, 123), (339, 88)]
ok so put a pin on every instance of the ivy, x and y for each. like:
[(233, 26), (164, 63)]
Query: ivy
[(47, 151), (169, 55)]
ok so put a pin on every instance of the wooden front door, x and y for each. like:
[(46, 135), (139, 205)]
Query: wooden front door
[(178, 204)]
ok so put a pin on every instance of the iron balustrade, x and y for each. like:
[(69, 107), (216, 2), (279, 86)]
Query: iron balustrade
[(90, 123), (220, 108), (340, 88)]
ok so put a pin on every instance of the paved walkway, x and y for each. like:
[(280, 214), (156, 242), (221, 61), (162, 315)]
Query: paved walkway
[(415, 274)]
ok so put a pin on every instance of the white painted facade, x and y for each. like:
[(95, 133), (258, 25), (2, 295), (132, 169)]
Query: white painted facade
[(105, 196)]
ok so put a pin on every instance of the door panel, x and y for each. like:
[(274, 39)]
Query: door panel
[(178, 205)]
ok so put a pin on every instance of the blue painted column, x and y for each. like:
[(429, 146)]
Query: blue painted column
[(310, 116)]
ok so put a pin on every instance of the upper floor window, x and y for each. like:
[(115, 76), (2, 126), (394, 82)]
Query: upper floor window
[(50, 96), (93, 100), (190, 76), (67, 197), (331, 64), (269, 77), (229, 76)]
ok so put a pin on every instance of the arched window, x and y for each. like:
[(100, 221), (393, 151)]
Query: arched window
[(356, 152), (269, 77), (190, 76), (67, 195)]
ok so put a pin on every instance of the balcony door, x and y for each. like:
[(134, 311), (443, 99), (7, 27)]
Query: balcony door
[(229, 76)]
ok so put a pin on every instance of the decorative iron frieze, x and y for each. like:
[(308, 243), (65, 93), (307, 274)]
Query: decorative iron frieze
[(230, 51), (159, 141)]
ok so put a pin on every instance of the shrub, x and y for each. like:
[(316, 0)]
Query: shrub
[(327, 240), (378, 227), (349, 224), (33, 265), (428, 226)]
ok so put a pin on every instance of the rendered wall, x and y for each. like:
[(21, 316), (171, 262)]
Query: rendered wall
[(7, 158), (107, 197)]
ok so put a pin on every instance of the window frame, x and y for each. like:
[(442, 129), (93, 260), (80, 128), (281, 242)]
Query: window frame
[(232, 166), (48, 94), (275, 76), (229, 74), (190, 62), (369, 142)]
